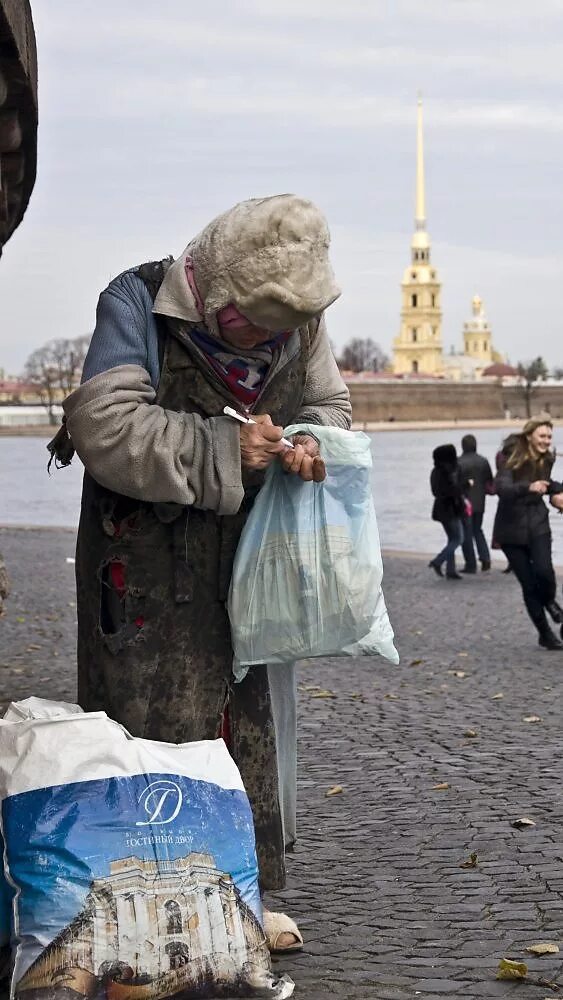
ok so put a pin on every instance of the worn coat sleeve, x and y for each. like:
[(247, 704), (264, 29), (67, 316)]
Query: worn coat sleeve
[(326, 399), (130, 445)]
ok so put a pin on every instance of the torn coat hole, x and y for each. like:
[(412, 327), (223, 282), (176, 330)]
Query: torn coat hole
[(113, 599)]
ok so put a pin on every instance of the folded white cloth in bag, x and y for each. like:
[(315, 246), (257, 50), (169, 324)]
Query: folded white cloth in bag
[(307, 574), (130, 865)]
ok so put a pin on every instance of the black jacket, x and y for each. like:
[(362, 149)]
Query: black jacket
[(446, 485), (477, 468), (521, 516)]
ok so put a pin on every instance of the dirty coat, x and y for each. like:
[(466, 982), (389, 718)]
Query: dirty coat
[(165, 498)]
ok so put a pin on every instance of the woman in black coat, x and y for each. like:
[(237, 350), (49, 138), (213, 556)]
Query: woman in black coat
[(522, 522), (449, 507)]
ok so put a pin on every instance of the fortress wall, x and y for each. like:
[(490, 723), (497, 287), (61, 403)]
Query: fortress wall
[(545, 398), (412, 400), (425, 401)]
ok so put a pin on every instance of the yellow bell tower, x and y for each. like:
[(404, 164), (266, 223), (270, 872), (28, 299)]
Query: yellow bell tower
[(477, 335), (418, 347)]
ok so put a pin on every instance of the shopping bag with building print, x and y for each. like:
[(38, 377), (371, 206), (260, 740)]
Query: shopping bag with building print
[(131, 864), (307, 574)]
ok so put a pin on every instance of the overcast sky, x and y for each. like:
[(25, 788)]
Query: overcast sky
[(155, 117)]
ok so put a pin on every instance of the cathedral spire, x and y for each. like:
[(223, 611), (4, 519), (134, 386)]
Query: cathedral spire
[(420, 214), (420, 245), (418, 347)]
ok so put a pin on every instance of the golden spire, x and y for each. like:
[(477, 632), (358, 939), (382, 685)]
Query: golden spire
[(420, 243), (420, 214)]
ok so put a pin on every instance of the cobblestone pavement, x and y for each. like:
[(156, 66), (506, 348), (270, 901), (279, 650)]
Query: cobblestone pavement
[(436, 761)]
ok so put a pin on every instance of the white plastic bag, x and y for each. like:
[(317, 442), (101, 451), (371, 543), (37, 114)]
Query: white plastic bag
[(132, 863), (307, 574)]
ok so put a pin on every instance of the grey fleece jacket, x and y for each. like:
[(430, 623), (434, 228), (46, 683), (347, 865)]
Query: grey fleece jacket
[(132, 446)]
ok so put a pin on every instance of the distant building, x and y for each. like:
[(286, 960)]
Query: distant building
[(478, 350), (477, 336), (418, 349), (173, 924), (17, 392), (501, 370)]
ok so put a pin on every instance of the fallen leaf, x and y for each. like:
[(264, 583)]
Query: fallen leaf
[(20, 620), (471, 862), (391, 697), (470, 734), (522, 823), (463, 654), (415, 663), (457, 673), (543, 948), (531, 718), (335, 790), (507, 969), (495, 697), (323, 694), (441, 787)]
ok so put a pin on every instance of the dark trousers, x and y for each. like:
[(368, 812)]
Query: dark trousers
[(473, 536), (533, 567), (454, 532)]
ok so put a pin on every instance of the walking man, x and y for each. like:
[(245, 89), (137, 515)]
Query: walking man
[(477, 473)]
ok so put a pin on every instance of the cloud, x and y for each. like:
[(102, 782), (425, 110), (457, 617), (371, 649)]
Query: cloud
[(443, 12), (336, 109)]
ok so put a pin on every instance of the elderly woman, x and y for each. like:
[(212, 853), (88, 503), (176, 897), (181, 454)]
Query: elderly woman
[(236, 319), (522, 522)]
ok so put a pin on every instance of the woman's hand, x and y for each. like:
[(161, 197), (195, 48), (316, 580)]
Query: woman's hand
[(539, 486), (304, 459), (260, 442)]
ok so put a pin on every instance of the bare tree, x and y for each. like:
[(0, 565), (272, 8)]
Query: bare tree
[(41, 372), (68, 357), (55, 369), (529, 373), (363, 355)]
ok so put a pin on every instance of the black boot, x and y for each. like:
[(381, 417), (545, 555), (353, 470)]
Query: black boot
[(436, 567), (548, 639), (556, 611), (485, 565)]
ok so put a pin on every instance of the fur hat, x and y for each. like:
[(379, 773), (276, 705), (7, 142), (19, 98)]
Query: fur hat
[(444, 454), (267, 256)]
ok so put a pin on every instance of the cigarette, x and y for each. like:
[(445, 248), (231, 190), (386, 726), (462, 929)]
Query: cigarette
[(235, 415)]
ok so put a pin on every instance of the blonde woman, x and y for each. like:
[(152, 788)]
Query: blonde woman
[(522, 522)]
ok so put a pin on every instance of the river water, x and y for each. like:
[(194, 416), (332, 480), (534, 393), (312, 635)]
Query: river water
[(402, 463)]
